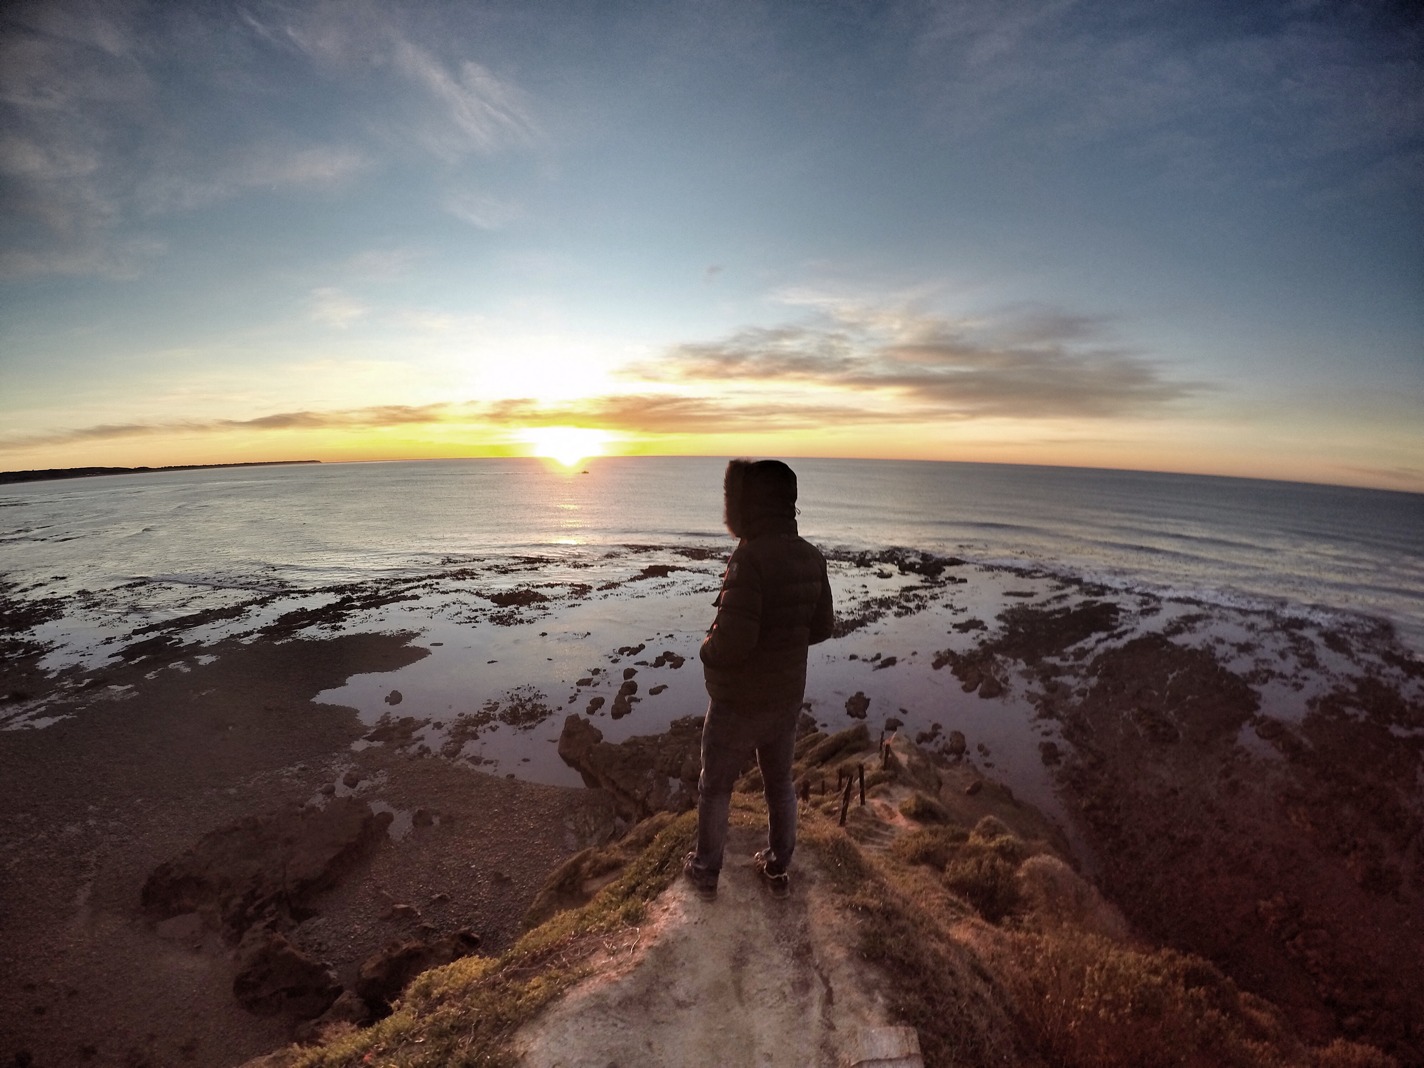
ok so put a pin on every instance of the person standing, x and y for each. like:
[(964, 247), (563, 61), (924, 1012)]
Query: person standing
[(774, 604)]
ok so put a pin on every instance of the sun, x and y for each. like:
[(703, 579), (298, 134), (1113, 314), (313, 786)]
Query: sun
[(566, 444)]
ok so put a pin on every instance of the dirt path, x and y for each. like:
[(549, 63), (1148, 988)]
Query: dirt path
[(747, 979)]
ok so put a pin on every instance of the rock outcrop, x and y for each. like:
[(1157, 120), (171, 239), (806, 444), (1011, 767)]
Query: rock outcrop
[(264, 868), (385, 975), (644, 775), (274, 978)]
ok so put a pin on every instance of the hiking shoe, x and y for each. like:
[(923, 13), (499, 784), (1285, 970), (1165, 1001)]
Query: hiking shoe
[(702, 880), (778, 882)]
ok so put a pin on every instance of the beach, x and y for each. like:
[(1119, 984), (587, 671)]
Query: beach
[(1238, 773)]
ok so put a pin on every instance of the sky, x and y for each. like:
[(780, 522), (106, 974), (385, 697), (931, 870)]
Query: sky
[(1145, 234)]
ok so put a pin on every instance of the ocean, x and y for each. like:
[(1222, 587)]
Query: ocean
[(179, 538)]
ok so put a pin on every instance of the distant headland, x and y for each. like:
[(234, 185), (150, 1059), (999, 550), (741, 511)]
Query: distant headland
[(90, 472)]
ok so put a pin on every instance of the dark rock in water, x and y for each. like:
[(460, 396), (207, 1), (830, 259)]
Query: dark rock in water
[(275, 978), (644, 775), (1267, 728), (397, 732), (979, 670), (957, 745), (889, 661), (893, 724), (383, 976), (164, 643), (857, 705), (395, 697), (1050, 753), (351, 779), (262, 866)]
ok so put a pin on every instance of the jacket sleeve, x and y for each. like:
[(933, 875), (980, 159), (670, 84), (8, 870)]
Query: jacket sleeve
[(737, 627), (823, 622)]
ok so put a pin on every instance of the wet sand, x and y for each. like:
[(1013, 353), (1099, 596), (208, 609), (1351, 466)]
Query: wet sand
[(1243, 782), (156, 753)]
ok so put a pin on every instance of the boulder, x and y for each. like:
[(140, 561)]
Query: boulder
[(347, 1011), (262, 867), (857, 705), (956, 746), (275, 978), (383, 976), (644, 775)]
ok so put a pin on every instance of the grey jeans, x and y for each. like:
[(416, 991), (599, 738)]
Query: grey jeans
[(731, 734)]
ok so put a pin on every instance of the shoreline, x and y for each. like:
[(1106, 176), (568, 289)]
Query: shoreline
[(1206, 763), (100, 800), (14, 478)]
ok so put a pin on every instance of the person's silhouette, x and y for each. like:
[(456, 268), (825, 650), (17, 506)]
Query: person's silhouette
[(775, 603)]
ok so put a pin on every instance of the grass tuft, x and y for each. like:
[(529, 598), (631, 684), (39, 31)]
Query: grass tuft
[(922, 808)]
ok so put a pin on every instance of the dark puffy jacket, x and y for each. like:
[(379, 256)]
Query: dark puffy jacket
[(775, 599)]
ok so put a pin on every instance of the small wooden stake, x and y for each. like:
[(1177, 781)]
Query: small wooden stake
[(861, 768), (845, 800)]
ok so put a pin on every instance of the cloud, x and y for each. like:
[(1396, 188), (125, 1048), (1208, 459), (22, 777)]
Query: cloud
[(1024, 363), (462, 106), (484, 212), (646, 413), (856, 366), (1211, 95), (482, 112), (116, 114), (333, 307), (663, 413), (191, 183)]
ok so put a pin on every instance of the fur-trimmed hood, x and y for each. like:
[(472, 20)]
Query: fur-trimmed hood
[(759, 497)]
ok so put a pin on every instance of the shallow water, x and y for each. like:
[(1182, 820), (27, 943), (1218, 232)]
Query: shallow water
[(193, 538)]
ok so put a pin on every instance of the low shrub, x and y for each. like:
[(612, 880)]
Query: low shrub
[(934, 846), (922, 808), (986, 880), (1094, 1003)]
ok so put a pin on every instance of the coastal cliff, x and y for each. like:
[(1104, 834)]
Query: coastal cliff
[(939, 922)]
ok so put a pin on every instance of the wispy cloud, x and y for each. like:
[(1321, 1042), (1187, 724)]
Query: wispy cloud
[(115, 115), (462, 106), (1210, 95), (1026, 363), (482, 111), (334, 307), (195, 182), (479, 210)]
